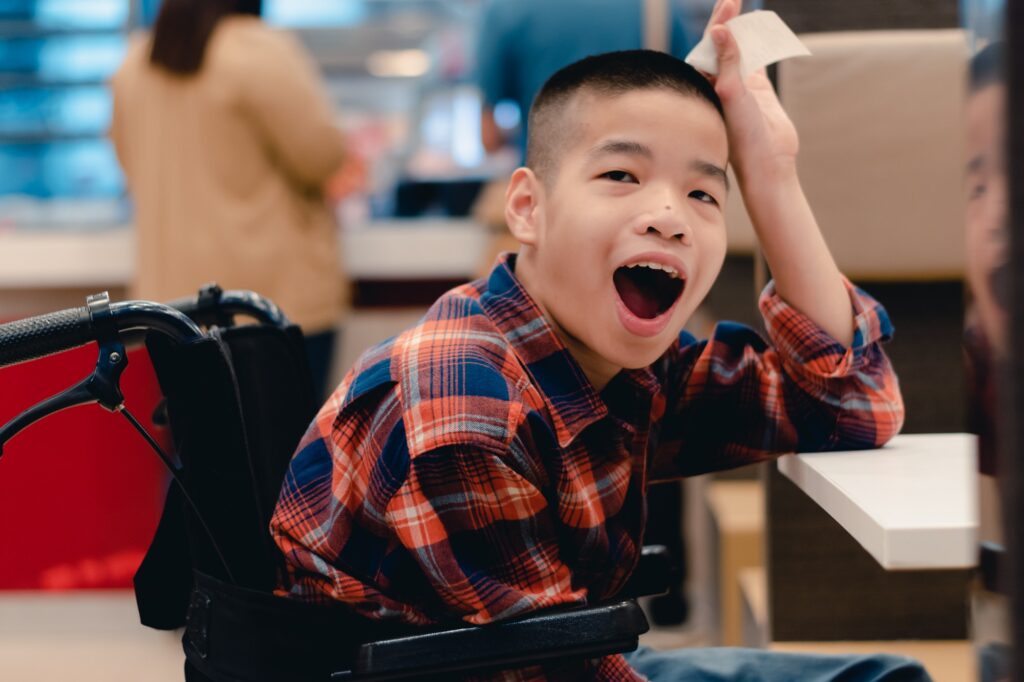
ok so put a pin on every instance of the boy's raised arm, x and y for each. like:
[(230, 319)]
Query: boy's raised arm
[(763, 145)]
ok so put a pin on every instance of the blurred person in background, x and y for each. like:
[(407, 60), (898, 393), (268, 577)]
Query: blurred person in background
[(987, 247), (228, 141), (520, 44), (986, 320)]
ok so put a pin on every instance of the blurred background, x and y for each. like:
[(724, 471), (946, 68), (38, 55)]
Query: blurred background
[(880, 110), (398, 71)]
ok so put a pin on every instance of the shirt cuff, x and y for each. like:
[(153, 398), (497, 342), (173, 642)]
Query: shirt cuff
[(800, 340)]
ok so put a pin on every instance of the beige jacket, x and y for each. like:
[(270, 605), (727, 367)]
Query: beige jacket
[(226, 170)]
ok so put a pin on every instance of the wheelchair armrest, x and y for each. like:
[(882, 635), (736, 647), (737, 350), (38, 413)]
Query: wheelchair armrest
[(587, 632), (654, 574)]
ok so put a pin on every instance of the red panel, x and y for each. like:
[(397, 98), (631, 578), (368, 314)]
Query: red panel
[(80, 491)]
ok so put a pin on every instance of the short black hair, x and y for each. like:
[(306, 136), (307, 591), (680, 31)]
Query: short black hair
[(611, 73)]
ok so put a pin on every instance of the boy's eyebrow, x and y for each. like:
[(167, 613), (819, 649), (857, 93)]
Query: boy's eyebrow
[(711, 170), (620, 147)]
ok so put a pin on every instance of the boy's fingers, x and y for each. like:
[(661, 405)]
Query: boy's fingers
[(726, 48), (723, 11), (729, 9), (713, 19), (728, 61)]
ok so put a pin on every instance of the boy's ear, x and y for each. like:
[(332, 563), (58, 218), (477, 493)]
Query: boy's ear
[(523, 202)]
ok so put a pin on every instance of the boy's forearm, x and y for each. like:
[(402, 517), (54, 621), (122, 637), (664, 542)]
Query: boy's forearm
[(806, 275), (763, 144)]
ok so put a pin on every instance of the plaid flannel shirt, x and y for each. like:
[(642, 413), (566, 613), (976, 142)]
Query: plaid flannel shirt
[(467, 468)]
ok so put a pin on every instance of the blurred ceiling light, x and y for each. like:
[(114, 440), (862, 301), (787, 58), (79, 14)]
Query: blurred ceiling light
[(398, 63)]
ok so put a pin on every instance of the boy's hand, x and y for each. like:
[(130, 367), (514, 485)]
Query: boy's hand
[(762, 149), (762, 139)]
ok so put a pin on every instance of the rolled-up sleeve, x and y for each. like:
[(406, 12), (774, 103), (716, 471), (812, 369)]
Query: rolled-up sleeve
[(734, 399)]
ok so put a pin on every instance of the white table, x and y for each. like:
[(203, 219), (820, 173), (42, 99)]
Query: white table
[(911, 505)]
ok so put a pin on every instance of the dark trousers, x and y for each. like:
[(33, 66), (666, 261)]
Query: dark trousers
[(320, 353), (665, 527)]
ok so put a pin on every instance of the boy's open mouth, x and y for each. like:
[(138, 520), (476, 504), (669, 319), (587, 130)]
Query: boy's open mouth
[(648, 289)]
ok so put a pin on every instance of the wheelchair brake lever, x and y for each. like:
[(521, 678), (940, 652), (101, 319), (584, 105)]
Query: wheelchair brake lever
[(102, 386)]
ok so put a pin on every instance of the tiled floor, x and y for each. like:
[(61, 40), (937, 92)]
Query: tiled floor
[(83, 636)]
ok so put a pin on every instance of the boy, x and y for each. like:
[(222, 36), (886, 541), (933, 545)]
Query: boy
[(492, 460)]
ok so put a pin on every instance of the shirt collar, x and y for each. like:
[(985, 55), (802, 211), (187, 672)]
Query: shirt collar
[(568, 394)]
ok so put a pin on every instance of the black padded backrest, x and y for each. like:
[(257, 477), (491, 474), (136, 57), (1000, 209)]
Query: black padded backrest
[(276, 394), (238, 402)]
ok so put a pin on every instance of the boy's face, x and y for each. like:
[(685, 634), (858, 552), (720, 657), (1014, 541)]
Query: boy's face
[(627, 237)]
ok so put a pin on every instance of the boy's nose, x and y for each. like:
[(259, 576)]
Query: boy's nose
[(668, 223)]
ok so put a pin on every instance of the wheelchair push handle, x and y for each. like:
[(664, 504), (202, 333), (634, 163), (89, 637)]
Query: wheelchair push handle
[(36, 337), (42, 335), (215, 306)]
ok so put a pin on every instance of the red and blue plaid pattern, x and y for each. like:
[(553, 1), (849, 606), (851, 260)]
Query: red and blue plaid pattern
[(467, 469)]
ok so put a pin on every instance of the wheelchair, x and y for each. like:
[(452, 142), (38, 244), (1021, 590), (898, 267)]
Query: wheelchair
[(237, 398)]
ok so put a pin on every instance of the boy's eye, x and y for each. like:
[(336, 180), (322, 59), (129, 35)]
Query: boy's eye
[(620, 176), (701, 195)]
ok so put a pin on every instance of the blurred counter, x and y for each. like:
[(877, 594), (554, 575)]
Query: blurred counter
[(43, 270), (60, 259)]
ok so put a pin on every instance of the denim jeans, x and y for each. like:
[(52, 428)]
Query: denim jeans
[(758, 665)]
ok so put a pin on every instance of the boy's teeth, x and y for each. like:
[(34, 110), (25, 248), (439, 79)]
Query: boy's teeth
[(668, 269)]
